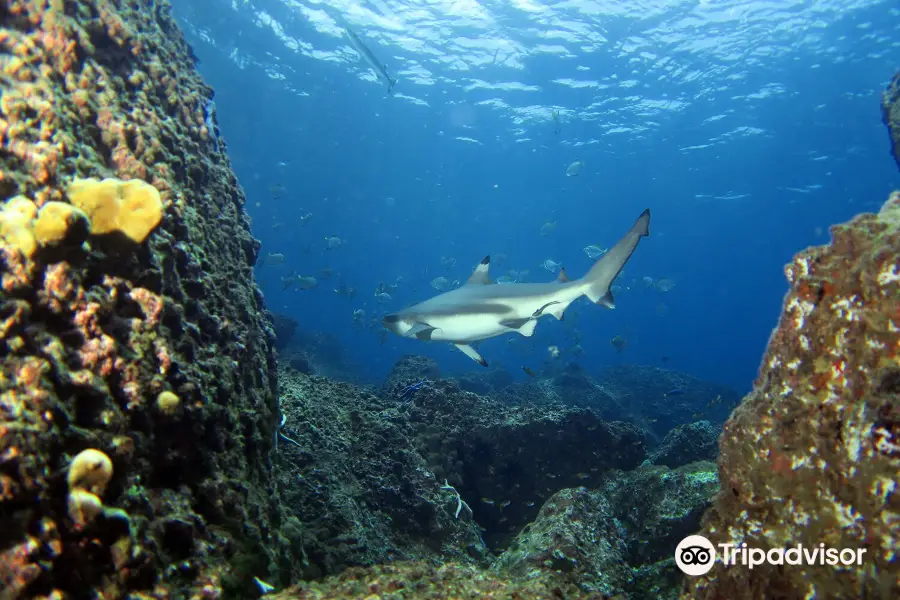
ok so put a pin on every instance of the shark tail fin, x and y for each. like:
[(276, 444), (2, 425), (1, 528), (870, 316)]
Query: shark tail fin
[(605, 270)]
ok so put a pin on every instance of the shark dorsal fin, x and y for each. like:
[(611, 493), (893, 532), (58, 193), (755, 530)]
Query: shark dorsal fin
[(480, 275), (562, 278)]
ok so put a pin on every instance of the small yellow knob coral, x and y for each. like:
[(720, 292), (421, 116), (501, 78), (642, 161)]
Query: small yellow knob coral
[(90, 470), (168, 402), (131, 208)]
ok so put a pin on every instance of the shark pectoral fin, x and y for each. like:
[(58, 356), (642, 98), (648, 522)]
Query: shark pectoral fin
[(559, 310), (524, 326), (425, 334), (472, 353), (607, 300), (480, 275), (421, 331)]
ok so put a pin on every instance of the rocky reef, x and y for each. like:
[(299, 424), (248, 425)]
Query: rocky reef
[(434, 475), (890, 110), (137, 391), (812, 455)]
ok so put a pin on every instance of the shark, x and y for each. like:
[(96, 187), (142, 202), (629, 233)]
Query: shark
[(481, 309), (367, 55)]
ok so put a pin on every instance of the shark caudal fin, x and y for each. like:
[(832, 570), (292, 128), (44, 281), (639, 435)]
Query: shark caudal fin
[(605, 270)]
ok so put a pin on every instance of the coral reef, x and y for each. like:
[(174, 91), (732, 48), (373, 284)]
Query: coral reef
[(686, 444), (812, 455), (155, 354), (890, 111)]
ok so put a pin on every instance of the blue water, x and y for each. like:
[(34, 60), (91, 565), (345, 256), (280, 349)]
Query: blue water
[(747, 127)]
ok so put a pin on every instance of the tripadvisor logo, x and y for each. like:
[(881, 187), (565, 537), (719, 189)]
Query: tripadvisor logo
[(696, 555)]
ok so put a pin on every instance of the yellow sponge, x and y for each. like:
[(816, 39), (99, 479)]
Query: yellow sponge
[(60, 224), (16, 224), (132, 208)]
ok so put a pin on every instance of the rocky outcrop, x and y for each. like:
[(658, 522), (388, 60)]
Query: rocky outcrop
[(409, 370), (617, 538), (812, 455), (686, 444), (357, 490), (154, 353)]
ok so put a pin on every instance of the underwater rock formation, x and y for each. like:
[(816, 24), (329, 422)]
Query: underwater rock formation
[(890, 111), (686, 444), (812, 455), (284, 327), (617, 538), (659, 399), (512, 458), (151, 354), (411, 368), (357, 490), (421, 581)]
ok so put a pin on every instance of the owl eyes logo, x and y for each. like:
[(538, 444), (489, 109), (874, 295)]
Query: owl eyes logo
[(695, 555)]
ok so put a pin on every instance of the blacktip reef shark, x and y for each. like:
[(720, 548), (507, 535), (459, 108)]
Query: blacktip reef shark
[(481, 309), (379, 67)]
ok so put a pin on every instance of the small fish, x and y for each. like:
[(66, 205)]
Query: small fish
[(274, 258), (554, 351), (304, 219), (557, 124), (441, 284), (551, 265), (505, 279), (383, 297), (574, 169), (595, 252), (665, 284), (276, 190), (359, 315), (619, 343), (448, 261), (673, 393), (306, 283), (529, 372), (487, 501), (548, 228), (332, 242)]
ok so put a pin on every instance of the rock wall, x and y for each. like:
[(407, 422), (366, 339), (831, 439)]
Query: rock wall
[(890, 110), (156, 355), (812, 455)]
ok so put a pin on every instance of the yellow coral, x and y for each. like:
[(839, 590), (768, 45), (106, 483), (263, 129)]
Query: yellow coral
[(59, 223), (168, 402), (16, 224), (132, 208)]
